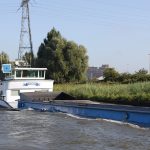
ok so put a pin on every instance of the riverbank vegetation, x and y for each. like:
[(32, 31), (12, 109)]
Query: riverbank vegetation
[(137, 94), (112, 76)]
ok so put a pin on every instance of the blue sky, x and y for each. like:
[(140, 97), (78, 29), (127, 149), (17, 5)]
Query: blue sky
[(115, 32)]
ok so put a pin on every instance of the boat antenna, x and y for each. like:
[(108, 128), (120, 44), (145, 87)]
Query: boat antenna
[(25, 42)]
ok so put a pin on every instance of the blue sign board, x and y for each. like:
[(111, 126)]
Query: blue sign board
[(6, 68)]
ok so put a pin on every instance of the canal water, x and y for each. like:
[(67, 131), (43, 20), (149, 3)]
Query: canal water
[(30, 130)]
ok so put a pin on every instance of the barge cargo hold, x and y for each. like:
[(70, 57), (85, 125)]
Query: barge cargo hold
[(59, 102)]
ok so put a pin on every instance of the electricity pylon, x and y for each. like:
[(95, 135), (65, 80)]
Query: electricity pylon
[(25, 43)]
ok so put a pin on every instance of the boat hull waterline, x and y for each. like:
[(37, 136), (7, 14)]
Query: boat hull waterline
[(137, 117)]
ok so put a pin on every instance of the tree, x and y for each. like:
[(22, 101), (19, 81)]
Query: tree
[(142, 71), (29, 58), (125, 78), (4, 58), (141, 75), (66, 61), (110, 74)]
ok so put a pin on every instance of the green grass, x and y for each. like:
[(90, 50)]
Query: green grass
[(132, 94)]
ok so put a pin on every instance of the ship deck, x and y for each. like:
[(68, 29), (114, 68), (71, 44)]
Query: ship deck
[(61, 98)]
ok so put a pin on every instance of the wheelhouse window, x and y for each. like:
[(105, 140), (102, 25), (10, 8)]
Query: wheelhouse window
[(25, 73), (18, 73), (33, 73), (29, 73), (41, 74)]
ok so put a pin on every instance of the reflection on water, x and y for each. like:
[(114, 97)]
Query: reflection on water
[(30, 130)]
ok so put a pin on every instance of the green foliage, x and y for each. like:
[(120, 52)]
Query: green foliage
[(110, 74), (4, 58), (141, 72), (29, 58), (124, 78), (66, 61), (131, 94)]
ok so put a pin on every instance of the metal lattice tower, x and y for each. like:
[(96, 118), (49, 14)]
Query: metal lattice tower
[(25, 44)]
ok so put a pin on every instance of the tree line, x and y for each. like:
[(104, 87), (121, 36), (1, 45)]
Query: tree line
[(111, 75)]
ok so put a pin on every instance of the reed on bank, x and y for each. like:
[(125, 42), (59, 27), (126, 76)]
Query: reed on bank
[(131, 94)]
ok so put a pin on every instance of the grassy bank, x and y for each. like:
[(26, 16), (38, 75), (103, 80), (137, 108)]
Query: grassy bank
[(132, 94)]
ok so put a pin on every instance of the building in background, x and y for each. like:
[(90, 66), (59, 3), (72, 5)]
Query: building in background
[(96, 72)]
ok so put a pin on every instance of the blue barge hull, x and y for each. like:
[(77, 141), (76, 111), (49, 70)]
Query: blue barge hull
[(130, 114)]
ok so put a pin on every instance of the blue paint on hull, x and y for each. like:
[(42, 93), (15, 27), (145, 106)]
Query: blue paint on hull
[(141, 118)]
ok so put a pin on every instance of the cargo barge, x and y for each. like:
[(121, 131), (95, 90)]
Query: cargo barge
[(52, 102), (27, 88)]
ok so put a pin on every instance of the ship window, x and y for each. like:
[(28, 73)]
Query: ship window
[(25, 73), (33, 73), (15, 93), (41, 73), (18, 73), (30, 73)]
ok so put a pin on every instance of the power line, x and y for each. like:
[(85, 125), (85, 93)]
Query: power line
[(103, 13)]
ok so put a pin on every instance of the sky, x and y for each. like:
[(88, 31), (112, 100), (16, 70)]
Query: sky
[(114, 32)]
